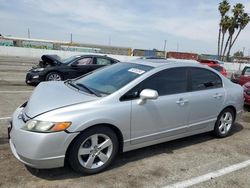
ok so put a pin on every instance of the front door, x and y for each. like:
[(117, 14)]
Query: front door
[(81, 66), (165, 116)]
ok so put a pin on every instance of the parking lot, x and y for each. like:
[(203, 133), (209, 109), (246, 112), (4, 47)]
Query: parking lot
[(155, 166)]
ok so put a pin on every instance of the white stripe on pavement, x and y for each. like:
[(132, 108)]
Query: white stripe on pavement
[(211, 175), (16, 91), (4, 118)]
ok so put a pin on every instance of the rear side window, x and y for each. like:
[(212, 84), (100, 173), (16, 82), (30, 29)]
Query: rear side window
[(102, 61), (202, 79)]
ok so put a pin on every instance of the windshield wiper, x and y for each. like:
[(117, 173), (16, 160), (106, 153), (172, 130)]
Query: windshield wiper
[(88, 89), (72, 84)]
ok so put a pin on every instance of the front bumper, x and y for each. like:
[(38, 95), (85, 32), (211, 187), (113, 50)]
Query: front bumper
[(34, 77), (38, 150)]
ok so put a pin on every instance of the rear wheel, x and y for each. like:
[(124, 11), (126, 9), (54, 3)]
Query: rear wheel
[(94, 150), (224, 123), (54, 76)]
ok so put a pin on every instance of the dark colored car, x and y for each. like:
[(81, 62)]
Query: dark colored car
[(241, 78), (53, 68), (246, 88)]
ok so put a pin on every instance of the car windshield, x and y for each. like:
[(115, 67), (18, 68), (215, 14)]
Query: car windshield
[(112, 78), (70, 59)]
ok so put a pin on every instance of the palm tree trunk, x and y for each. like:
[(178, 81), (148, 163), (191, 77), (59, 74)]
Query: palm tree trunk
[(218, 53), (229, 48), (225, 49), (235, 38), (222, 43)]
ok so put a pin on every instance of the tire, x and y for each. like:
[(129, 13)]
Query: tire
[(53, 76), (224, 123), (93, 158)]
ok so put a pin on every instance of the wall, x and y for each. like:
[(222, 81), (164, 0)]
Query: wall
[(31, 52), (234, 67)]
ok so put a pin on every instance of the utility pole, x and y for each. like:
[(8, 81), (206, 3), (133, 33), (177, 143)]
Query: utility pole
[(164, 48), (177, 46), (71, 38), (29, 33), (165, 44), (243, 51), (109, 41)]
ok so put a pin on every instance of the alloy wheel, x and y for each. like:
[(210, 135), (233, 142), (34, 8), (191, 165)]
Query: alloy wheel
[(54, 77), (226, 122), (95, 151)]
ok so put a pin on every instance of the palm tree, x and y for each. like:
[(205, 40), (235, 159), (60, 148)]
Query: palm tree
[(243, 21), (225, 25), (237, 10), (224, 7), (231, 29)]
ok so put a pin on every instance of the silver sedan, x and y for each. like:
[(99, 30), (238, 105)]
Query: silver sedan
[(119, 108)]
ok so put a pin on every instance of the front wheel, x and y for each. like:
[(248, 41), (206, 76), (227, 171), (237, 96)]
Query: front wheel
[(224, 123), (94, 150)]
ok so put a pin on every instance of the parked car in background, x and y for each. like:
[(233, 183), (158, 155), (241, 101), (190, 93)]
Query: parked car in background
[(241, 77), (218, 68), (210, 61), (53, 68), (215, 65), (122, 107), (246, 88)]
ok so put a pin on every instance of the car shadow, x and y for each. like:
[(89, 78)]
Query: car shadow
[(247, 108), (135, 155)]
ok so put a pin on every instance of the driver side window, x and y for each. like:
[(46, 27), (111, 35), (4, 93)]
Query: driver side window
[(84, 61), (166, 82)]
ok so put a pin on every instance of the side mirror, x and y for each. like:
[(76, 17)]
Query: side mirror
[(147, 94)]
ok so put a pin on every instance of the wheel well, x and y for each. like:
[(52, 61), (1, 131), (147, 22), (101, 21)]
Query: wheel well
[(232, 108), (114, 128)]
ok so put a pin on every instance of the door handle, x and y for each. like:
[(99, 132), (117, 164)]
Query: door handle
[(182, 101), (217, 95)]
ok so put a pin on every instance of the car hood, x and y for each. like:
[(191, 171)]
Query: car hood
[(52, 60), (52, 95)]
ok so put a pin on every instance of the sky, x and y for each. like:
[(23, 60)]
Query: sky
[(186, 25)]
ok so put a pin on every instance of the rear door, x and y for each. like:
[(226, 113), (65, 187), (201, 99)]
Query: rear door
[(206, 97)]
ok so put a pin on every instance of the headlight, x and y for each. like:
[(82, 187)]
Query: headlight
[(45, 126), (38, 69)]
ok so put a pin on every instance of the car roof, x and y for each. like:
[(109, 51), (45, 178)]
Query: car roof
[(166, 62), (96, 55)]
